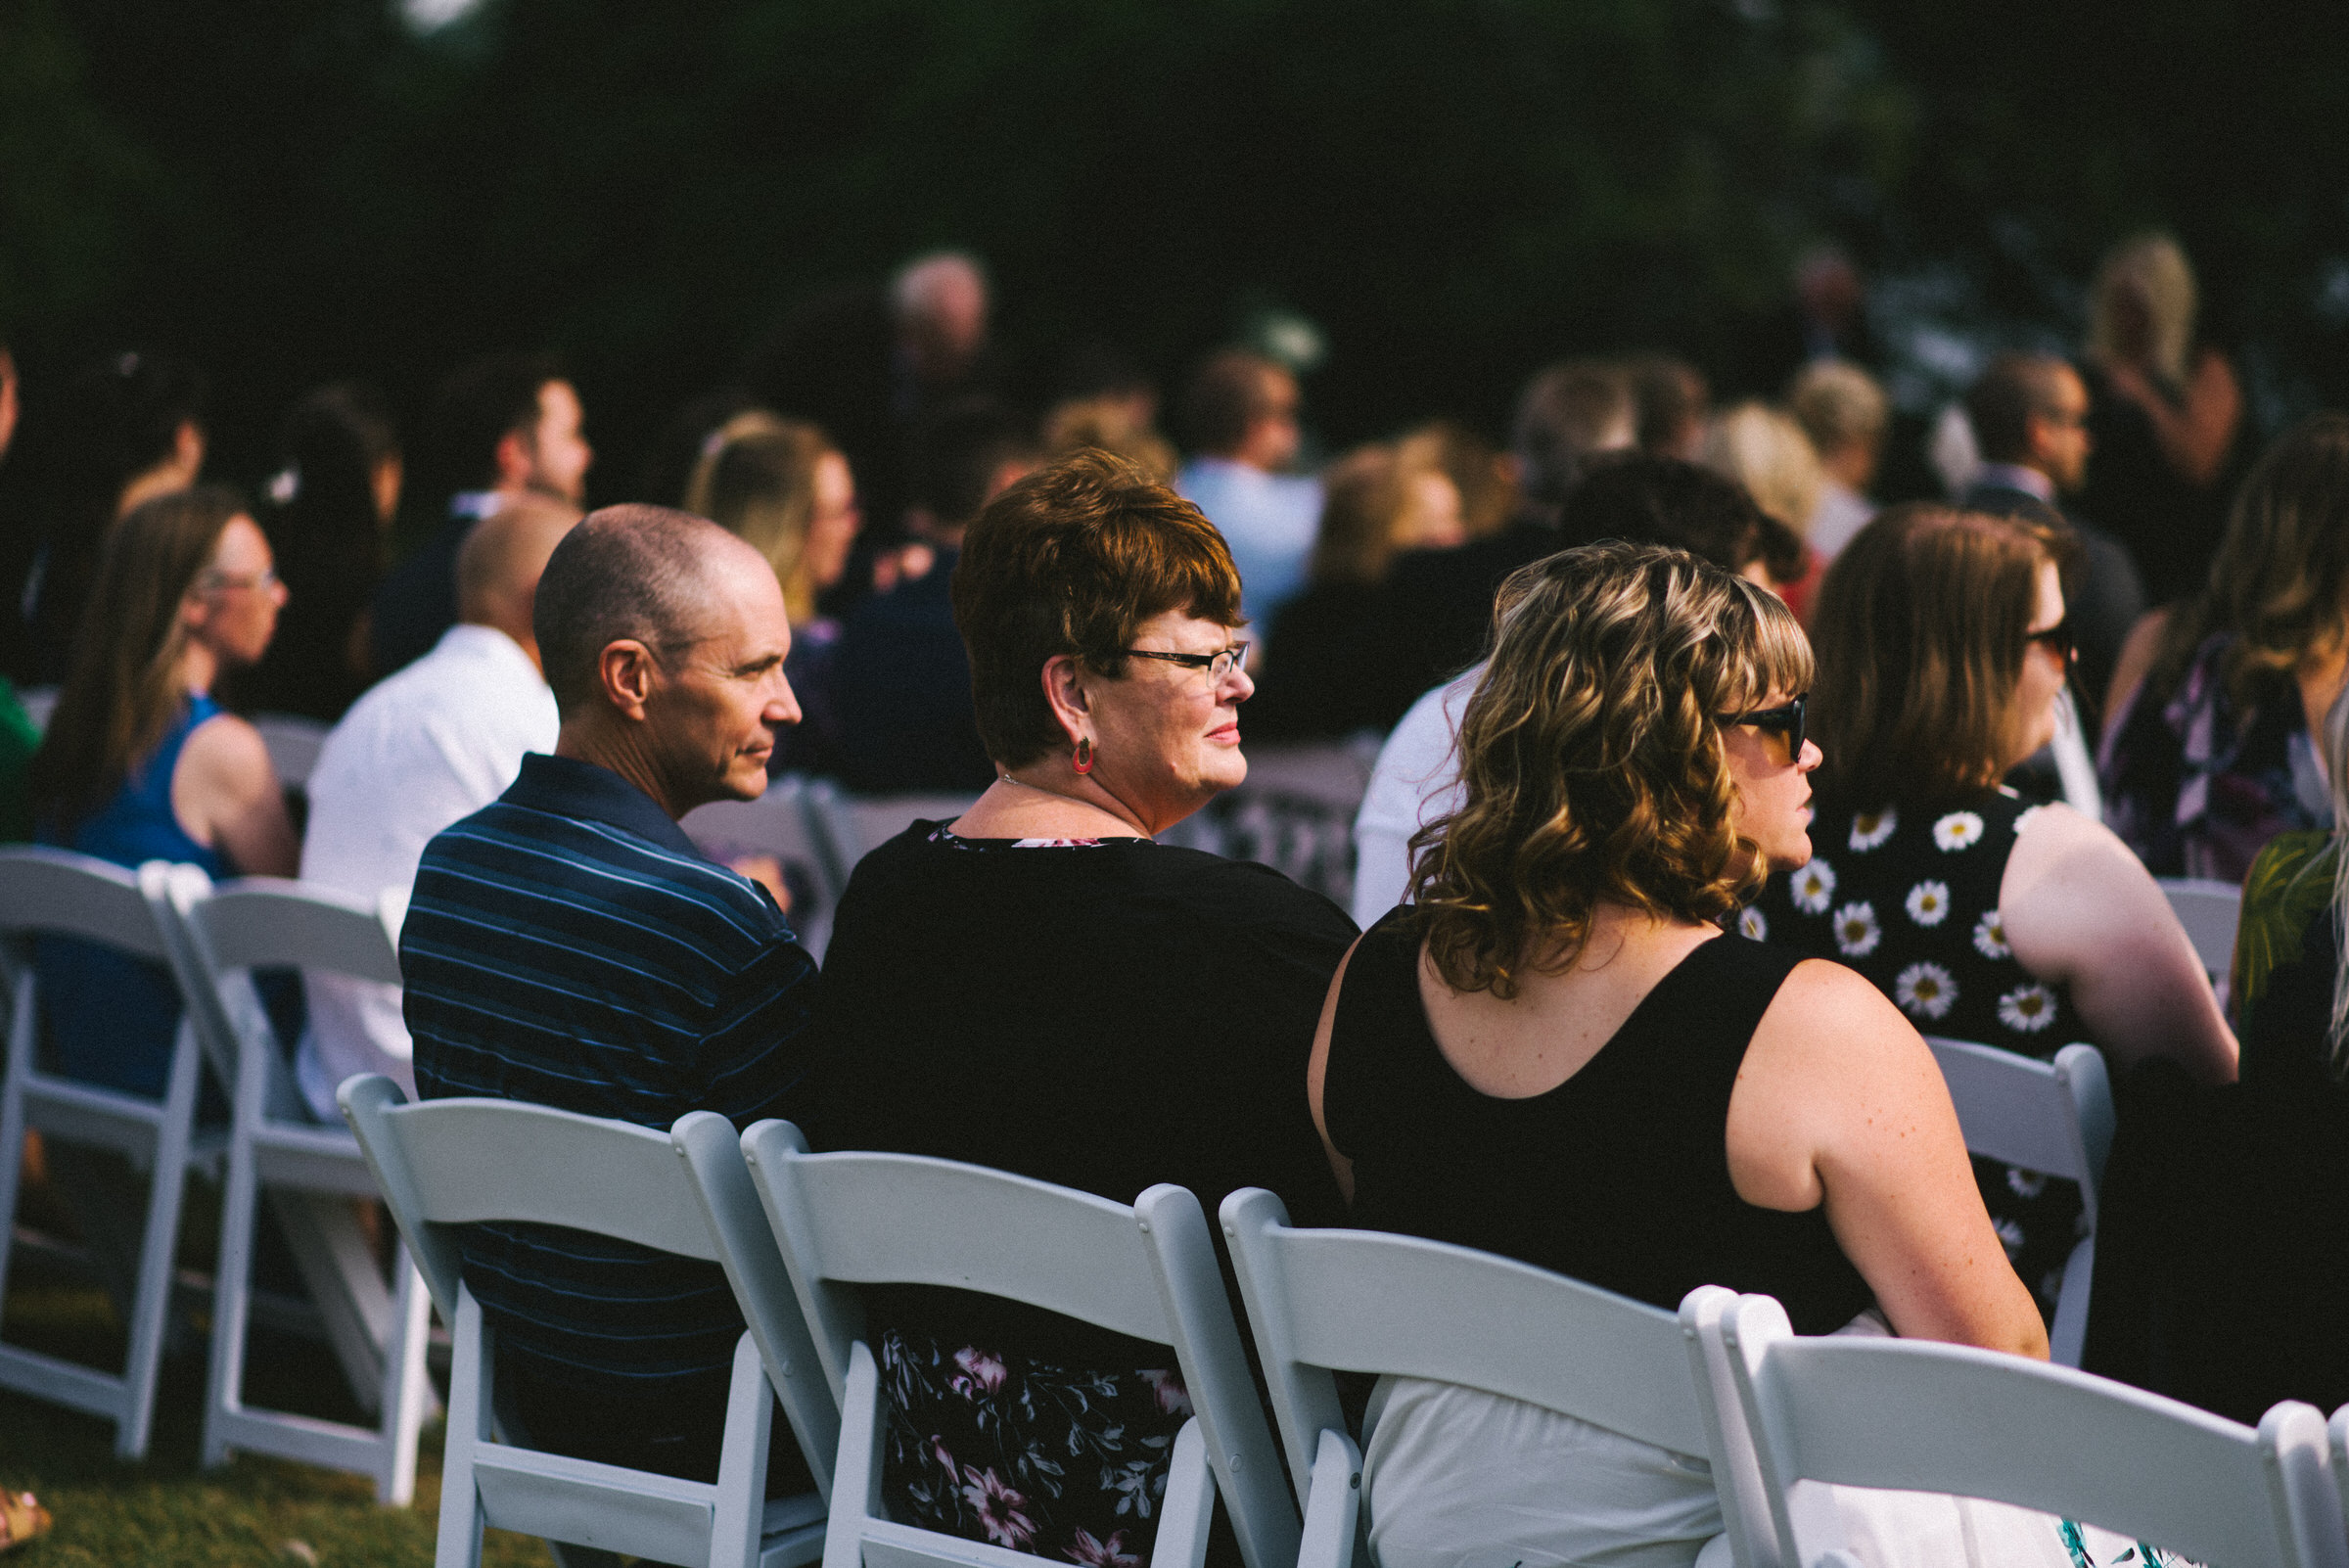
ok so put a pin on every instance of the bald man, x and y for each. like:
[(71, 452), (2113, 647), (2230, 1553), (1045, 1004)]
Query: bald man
[(569, 946), (434, 743)]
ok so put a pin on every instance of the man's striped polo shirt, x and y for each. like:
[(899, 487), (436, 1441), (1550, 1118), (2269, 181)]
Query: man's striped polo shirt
[(567, 945)]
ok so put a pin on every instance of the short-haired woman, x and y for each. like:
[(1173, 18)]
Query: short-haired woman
[(1040, 987), (1943, 645), (2209, 747), (1556, 1053), (140, 763)]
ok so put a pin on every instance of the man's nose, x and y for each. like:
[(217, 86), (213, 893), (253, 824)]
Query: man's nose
[(783, 707)]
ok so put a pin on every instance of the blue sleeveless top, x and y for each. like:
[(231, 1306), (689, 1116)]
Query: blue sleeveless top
[(111, 1017)]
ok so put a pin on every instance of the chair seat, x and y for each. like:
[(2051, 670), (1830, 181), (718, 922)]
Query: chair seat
[(315, 1159)]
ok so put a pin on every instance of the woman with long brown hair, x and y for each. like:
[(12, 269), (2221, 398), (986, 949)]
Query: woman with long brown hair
[(140, 763)]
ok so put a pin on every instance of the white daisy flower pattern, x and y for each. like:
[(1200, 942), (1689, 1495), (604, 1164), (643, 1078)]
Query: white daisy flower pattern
[(2023, 818), (1814, 885), (2027, 1009), (1990, 936), (2025, 1184), (2010, 1237), (1871, 828), (1925, 991), (1751, 924), (1929, 903), (1856, 930), (1957, 830)]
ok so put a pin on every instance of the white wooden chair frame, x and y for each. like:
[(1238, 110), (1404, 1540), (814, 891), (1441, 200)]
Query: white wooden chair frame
[(447, 1162), (57, 891), (311, 1175), (1360, 1301), (782, 823), (2209, 910), (1148, 1271), (1928, 1417), (856, 825), (2055, 1118)]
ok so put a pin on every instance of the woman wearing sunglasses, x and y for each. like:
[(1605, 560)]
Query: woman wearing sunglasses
[(1942, 645), (1556, 1053)]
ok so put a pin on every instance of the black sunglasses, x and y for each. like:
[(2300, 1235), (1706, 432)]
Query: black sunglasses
[(2058, 638), (1786, 720)]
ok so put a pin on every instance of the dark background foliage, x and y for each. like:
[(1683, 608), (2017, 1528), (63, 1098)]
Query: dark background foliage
[(1453, 190)]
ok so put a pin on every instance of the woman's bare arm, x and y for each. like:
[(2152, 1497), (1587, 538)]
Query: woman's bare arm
[(1317, 1072), (1840, 1102), (2194, 438), (2082, 912), (2129, 670), (226, 795)]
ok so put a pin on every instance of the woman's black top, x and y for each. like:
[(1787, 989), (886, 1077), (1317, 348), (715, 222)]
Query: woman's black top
[(1103, 1016), (1619, 1176)]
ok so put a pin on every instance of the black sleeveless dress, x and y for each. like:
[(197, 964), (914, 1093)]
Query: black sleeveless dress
[(1619, 1176)]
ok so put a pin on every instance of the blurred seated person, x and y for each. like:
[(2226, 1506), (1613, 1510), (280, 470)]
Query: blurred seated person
[(2165, 411), (1942, 644), (1321, 665), (1846, 414), (331, 501), (20, 736), (503, 426), (1481, 475), (1107, 401), (423, 749), (127, 427), (1241, 416), (1651, 500), (2209, 747), (2029, 413), (140, 763), (1675, 405), (1040, 987), (1767, 453), (900, 680), (1438, 607), (1554, 1053), (567, 945), (781, 486), (2224, 1212)]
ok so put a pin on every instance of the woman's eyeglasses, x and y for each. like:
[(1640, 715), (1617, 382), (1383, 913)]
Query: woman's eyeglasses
[(2058, 639), (1218, 665), (1785, 723)]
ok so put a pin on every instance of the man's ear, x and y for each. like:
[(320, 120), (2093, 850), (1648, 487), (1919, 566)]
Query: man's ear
[(1064, 690), (516, 459), (626, 672)]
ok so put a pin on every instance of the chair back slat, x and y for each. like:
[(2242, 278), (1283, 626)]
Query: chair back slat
[(947, 1223), (2210, 911), (294, 742), (57, 891), (1362, 1300), (2011, 1108), (273, 922)]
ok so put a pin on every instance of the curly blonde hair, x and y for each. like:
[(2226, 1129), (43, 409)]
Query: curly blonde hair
[(1591, 758)]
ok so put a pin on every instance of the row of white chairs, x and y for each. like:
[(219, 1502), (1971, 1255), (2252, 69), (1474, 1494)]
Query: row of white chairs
[(212, 939), (800, 1234)]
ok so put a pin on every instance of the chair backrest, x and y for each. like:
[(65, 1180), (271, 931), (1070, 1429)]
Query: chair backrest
[(60, 893), (780, 823), (270, 922), (294, 744), (445, 1163), (2051, 1117), (2209, 910), (1948, 1418), (1147, 1272), (854, 825), (1362, 1301)]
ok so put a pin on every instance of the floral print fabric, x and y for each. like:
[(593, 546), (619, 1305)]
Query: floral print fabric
[(1058, 1462), (1908, 896)]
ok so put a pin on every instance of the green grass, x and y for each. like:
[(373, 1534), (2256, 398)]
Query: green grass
[(164, 1510)]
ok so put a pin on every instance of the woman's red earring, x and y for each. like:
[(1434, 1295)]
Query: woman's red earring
[(1082, 759)]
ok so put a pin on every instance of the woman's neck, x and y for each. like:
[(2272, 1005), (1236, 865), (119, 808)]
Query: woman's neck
[(198, 668), (1075, 807)]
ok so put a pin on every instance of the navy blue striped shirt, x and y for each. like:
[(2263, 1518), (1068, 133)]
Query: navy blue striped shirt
[(569, 945)]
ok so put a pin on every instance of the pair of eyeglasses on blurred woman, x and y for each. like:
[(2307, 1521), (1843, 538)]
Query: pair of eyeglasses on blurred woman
[(261, 581), (1218, 665), (1784, 721)]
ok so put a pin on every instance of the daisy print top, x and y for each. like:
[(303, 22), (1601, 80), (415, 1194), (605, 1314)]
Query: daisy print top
[(1910, 898)]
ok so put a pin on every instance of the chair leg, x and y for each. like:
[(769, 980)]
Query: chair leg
[(408, 1393), (741, 1507), (1333, 1512), (471, 1364), (338, 1270), (856, 1477), (151, 1314), (2067, 1339), (232, 1288), (1189, 1505), (12, 1163)]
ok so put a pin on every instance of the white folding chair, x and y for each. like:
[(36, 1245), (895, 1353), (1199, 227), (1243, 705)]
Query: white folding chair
[(294, 743), (1148, 1271), (778, 823), (2209, 910), (55, 892), (309, 1173), (1358, 1301), (1918, 1416), (2338, 1429), (443, 1164), (856, 825), (2055, 1118)]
